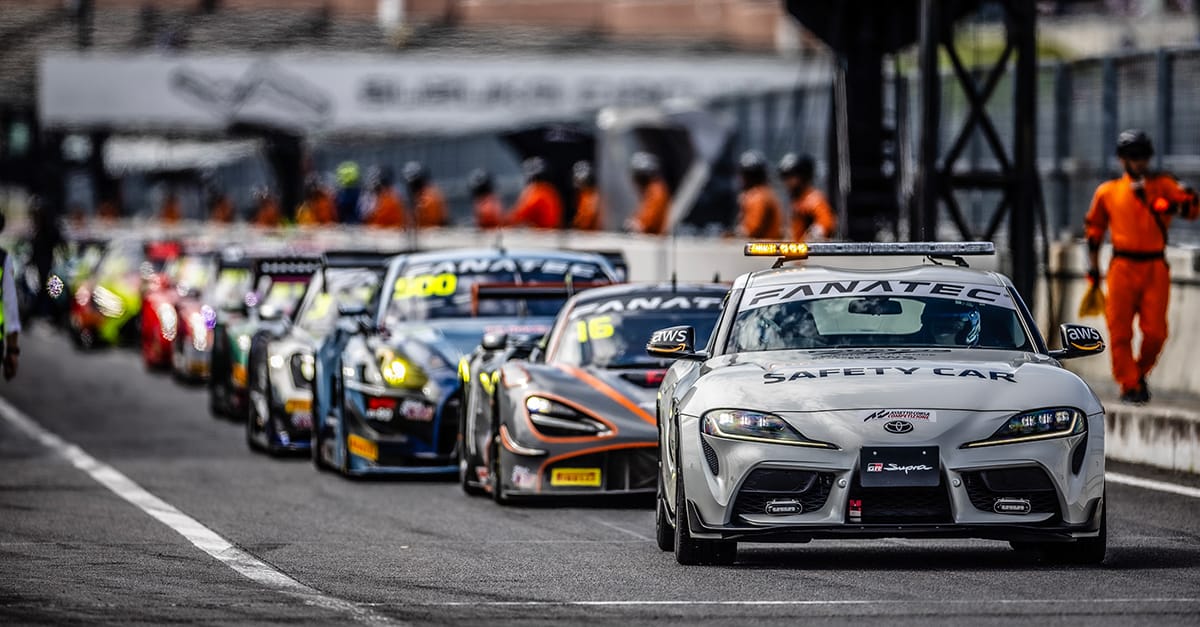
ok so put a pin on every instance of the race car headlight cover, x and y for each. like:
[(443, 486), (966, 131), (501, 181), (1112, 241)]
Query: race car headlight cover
[(394, 371), (1041, 424), (755, 426), (557, 419), (303, 368)]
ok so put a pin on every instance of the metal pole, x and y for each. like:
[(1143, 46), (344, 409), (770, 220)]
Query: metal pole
[(923, 217), (1162, 128), (1020, 23)]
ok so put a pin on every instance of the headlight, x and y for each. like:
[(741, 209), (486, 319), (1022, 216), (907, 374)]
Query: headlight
[(303, 370), (1042, 424), (393, 370), (107, 303), (243, 342), (738, 424), (553, 418), (167, 321)]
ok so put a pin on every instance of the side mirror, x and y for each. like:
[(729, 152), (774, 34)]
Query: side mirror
[(494, 341), (675, 343), (1079, 341)]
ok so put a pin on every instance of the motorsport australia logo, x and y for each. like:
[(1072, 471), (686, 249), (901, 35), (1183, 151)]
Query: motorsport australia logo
[(918, 415)]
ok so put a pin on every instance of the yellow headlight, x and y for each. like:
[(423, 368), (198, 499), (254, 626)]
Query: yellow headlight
[(394, 371)]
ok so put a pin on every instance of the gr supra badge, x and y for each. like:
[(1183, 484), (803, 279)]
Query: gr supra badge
[(577, 407), (915, 400)]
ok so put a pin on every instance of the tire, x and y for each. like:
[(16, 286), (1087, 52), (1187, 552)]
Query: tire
[(690, 551), (498, 493), (252, 415), (318, 438), (466, 464)]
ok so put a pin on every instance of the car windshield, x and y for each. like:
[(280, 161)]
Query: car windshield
[(280, 293), (878, 321), (229, 290), (446, 289), (346, 288), (618, 340)]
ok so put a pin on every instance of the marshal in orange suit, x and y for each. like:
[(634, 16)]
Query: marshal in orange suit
[(1137, 209)]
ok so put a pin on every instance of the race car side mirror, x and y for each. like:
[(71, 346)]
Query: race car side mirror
[(494, 341), (1078, 341), (675, 343), (347, 310)]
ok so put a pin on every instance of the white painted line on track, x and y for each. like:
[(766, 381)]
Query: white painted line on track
[(191, 529), (622, 529), (798, 603), (1151, 484)]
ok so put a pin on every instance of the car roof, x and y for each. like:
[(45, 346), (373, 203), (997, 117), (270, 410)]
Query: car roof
[(814, 273), (643, 289), (498, 253)]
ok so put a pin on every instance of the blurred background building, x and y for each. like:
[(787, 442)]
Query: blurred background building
[(122, 101)]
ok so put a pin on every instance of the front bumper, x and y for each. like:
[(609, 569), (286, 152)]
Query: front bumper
[(404, 444), (1063, 503)]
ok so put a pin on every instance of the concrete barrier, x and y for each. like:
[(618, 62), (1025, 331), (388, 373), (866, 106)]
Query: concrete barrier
[(1154, 435)]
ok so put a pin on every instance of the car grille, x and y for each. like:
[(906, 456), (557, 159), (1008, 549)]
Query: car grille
[(893, 505), (763, 485), (1033, 484), (621, 469)]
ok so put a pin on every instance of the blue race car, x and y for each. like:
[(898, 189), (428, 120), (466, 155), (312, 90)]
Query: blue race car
[(387, 393)]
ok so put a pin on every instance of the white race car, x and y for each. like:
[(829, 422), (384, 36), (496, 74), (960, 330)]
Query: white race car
[(862, 403)]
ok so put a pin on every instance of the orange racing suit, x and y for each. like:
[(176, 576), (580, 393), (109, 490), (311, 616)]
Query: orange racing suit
[(1138, 279)]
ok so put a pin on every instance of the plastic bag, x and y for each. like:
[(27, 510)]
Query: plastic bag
[(1093, 301)]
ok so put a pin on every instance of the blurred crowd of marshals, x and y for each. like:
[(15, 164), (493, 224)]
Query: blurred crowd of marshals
[(374, 200)]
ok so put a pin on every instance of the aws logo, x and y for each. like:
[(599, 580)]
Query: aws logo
[(1083, 337)]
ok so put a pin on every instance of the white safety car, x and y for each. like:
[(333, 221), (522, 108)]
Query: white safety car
[(917, 401)]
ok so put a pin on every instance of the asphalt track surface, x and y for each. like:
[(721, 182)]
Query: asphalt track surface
[(72, 550)]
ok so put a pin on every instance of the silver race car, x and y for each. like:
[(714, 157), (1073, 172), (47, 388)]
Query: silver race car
[(850, 403)]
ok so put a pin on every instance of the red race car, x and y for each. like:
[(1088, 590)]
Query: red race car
[(186, 277), (108, 304)]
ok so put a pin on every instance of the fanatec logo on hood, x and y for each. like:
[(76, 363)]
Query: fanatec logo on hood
[(898, 426)]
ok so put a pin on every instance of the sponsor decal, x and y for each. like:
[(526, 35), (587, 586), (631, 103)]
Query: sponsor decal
[(362, 447), (898, 426), (647, 303), (886, 371), (302, 420), (297, 405), (986, 294), (1083, 338), (523, 478), (239, 375), (1012, 506), (673, 336), (552, 267), (781, 507), (918, 415), (587, 477), (875, 467), (416, 411), (289, 267)]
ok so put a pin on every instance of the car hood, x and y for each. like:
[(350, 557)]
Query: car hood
[(453, 339), (831, 380)]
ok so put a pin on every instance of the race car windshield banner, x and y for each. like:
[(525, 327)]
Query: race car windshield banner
[(978, 293)]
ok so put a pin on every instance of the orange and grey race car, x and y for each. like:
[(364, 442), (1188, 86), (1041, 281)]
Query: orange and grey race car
[(573, 414)]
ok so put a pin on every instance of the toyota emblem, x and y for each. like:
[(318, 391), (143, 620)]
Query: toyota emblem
[(898, 426)]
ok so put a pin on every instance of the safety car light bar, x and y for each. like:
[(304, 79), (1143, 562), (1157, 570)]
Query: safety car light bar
[(800, 250)]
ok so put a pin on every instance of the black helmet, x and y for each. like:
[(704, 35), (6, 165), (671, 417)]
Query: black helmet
[(960, 318), (479, 182), (793, 164), (534, 169), (1134, 144), (583, 174), (752, 165), (415, 174)]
